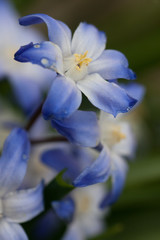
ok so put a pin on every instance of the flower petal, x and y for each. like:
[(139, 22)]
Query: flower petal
[(28, 99), (80, 128), (64, 209), (88, 38), (23, 205), (63, 99), (108, 97), (110, 65), (45, 54), (58, 32), (74, 232), (11, 231), (97, 172), (118, 180), (66, 156), (13, 162), (134, 90)]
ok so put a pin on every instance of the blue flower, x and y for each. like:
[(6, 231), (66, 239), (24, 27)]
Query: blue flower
[(83, 207), (28, 82), (117, 137), (83, 169), (16, 206), (81, 64)]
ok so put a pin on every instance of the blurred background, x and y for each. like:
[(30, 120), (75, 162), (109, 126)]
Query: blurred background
[(132, 27)]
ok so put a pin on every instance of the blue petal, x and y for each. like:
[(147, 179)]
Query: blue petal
[(45, 54), (27, 93), (8, 16), (110, 65), (63, 99), (64, 209), (11, 231), (80, 128), (108, 97), (13, 162), (46, 226), (66, 156), (97, 172), (23, 205), (118, 175), (134, 90), (58, 32), (88, 38)]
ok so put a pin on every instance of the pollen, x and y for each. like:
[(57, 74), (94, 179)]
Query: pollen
[(117, 134), (81, 59)]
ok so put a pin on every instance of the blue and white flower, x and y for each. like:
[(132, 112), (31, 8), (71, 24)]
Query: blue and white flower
[(16, 206), (81, 64), (117, 136), (28, 82), (87, 217)]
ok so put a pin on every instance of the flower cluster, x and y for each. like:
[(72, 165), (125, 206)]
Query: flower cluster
[(73, 166)]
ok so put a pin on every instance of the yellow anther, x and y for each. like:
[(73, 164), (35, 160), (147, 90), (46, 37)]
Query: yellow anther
[(82, 59), (117, 134)]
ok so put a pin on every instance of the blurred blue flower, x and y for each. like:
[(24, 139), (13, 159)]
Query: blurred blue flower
[(81, 64), (117, 137), (84, 212), (28, 82), (16, 206), (82, 167)]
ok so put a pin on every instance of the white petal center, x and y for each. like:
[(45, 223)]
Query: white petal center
[(75, 67)]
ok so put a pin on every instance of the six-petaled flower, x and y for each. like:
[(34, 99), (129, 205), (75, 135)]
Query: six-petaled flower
[(82, 65)]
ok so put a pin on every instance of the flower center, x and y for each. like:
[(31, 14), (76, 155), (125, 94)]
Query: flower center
[(81, 60), (83, 204), (117, 134), (75, 66), (113, 135)]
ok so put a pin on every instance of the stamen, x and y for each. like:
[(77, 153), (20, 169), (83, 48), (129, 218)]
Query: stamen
[(82, 59), (117, 134)]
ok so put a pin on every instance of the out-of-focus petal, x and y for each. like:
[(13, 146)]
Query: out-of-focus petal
[(23, 205), (97, 172), (64, 209), (63, 99), (108, 97), (45, 54), (80, 128), (74, 232), (88, 38), (27, 93), (65, 156), (58, 32), (110, 65), (13, 162), (118, 174), (11, 231), (134, 90), (127, 146)]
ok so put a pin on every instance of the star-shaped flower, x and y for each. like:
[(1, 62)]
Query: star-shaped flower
[(82, 65)]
